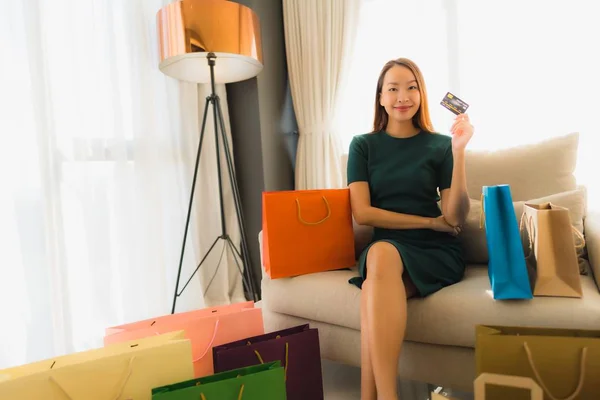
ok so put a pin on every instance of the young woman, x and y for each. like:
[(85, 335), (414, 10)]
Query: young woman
[(394, 174)]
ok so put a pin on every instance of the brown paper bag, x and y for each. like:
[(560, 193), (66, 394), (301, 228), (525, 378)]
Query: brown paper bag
[(552, 252), (565, 363), (518, 382)]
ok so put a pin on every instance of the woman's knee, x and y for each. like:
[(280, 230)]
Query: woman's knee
[(383, 261)]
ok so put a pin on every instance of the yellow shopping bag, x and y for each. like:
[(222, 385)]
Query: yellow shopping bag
[(563, 362), (122, 371)]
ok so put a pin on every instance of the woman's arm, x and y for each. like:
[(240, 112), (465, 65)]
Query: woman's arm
[(365, 214), (360, 197), (455, 200)]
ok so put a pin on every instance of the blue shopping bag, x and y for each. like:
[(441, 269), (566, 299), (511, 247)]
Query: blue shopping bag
[(507, 269)]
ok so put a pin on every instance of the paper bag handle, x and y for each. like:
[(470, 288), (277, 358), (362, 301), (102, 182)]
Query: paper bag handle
[(543, 385), (530, 233), (481, 213), (287, 346), (210, 345), (580, 236), (532, 236), (313, 223), (119, 393), (519, 382)]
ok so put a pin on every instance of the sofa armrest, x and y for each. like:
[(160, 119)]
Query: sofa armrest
[(592, 239)]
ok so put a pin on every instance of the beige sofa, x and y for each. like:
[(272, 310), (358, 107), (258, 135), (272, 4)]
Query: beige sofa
[(440, 337)]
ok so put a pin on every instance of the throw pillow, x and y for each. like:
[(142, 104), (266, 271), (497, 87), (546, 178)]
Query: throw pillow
[(532, 171)]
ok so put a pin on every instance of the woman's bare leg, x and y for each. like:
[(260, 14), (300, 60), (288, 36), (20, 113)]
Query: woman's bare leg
[(367, 379), (386, 315)]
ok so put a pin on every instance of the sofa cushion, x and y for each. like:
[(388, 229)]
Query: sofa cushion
[(323, 296), (447, 317), (474, 241), (532, 171)]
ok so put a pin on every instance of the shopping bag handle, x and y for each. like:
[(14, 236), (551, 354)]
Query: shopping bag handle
[(314, 223), (520, 382), (203, 397), (530, 233), (543, 385), (481, 213), (120, 392), (530, 229), (287, 347), (210, 345), (580, 236)]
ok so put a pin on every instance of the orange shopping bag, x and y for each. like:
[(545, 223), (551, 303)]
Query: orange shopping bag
[(205, 328), (307, 231)]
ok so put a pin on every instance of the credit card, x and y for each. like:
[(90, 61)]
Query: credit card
[(454, 104)]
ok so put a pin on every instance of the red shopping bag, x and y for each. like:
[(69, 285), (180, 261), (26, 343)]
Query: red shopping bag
[(205, 328)]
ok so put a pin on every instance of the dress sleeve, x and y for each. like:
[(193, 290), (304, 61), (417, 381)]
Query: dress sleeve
[(445, 168), (357, 168)]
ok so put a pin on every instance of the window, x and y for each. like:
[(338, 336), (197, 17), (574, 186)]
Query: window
[(92, 173), (527, 69), (387, 30)]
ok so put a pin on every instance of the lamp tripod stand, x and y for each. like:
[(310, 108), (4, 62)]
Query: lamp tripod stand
[(243, 255)]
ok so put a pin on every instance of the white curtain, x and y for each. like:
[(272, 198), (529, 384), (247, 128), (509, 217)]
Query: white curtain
[(96, 161), (318, 37), (529, 70)]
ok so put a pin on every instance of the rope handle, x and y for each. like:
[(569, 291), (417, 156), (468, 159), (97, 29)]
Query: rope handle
[(210, 345), (287, 347), (249, 343), (511, 381), (119, 393), (203, 397), (314, 223), (580, 237), (481, 213), (529, 229), (543, 385)]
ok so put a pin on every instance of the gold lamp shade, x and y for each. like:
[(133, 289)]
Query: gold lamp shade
[(190, 29)]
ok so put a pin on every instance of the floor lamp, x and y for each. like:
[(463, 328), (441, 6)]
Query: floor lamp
[(212, 41)]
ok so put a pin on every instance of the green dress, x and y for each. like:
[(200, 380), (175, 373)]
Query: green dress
[(404, 175)]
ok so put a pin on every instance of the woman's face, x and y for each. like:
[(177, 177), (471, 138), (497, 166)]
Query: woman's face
[(400, 94)]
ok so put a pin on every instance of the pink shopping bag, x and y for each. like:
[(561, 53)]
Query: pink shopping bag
[(205, 328)]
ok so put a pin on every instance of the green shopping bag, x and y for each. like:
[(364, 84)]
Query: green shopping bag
[(259, 382)]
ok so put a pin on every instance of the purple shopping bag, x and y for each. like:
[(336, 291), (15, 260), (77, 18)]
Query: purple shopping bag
[(298, 350)]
